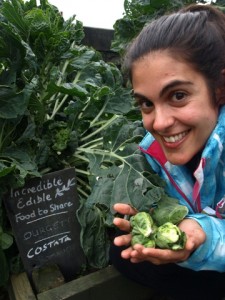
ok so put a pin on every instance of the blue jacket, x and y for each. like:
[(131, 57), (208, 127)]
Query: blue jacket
[(202, 191)]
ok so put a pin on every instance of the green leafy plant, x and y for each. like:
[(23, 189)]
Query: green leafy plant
[(58, 98), (124, 176)]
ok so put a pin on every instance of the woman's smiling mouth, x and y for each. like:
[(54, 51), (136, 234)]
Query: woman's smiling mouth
[(175, 138)]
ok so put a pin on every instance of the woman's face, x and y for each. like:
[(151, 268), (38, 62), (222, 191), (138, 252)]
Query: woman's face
[(176, 104)]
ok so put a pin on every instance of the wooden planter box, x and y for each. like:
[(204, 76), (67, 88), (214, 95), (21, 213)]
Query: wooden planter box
[(104, 284)]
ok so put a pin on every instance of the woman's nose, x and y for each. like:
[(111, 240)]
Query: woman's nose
[(162, 119)]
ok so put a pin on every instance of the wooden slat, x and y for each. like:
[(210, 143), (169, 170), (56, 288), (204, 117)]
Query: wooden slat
[(21, 287), (104, 284)]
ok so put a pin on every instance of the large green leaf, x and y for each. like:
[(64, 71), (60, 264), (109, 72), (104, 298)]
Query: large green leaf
[(13, 104), (120, 173)]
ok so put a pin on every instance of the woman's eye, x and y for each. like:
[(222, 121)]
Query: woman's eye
[(178, 96), (144, 104)]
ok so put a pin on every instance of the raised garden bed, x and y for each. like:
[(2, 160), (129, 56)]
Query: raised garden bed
[(104, 284)]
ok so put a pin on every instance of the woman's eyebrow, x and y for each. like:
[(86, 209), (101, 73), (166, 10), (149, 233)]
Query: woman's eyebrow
[(137, 95), (172, 84)]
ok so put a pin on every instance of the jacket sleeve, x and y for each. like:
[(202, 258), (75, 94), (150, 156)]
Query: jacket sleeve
[(211, 254)]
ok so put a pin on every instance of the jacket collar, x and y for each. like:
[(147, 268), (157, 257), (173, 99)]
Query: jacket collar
[(205, 172)]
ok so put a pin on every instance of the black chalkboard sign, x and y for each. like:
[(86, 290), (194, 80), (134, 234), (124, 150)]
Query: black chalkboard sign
[(43, 219)]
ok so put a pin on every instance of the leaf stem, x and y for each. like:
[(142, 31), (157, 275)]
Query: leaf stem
[(98, 115), (81, 157), (103, 153), (59, 105), (82, 172), (80, 191), (100, 129), (94, 141), (83, 183)]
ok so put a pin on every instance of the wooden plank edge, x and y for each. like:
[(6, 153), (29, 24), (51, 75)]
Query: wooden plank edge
[(79, 285), (20, 288)]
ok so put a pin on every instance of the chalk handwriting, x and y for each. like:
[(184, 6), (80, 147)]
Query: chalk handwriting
[(44, 230), (43, 185), (64, 188), (35, 251), (33, 200)]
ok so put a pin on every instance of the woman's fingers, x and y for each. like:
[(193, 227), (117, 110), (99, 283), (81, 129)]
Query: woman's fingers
[(124, 209), (122, 224), (158, 256), (126, 253), (122, 240)]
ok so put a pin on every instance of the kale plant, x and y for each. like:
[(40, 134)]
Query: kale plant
[(58, 99)]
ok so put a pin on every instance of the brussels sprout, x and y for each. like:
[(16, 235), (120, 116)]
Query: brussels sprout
[(145, 241), (169, 210), (145, 232), (169, 236), (142, 223)]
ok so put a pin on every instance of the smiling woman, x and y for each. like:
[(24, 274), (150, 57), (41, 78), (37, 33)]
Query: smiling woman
[(177, 69)]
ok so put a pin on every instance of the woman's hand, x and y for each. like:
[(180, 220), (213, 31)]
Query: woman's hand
[(138, 253), (195, 237), (124, 225)]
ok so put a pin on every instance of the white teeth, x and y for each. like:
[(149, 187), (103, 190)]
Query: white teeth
[(175, 138)]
